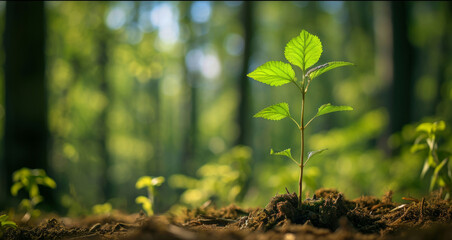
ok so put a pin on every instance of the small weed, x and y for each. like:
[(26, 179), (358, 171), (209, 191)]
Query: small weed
[(436, 159), (302, 51), (5, 224), (100, 209), (30, 179), (149, 183)]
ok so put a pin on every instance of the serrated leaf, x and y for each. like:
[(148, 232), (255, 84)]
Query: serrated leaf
[(328, 108), (303, 50), (273, 73), (284, 153), (274, 112), (315, 72)]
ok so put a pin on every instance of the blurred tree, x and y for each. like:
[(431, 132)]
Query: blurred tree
[(26, 131), (190, 106), (403, 55), (243, 119), (102, 61)]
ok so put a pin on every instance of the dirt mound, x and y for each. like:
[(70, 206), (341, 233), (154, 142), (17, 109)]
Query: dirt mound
[(327, 215)]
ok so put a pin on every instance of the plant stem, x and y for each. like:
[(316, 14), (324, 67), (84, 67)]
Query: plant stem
[(300, 182)]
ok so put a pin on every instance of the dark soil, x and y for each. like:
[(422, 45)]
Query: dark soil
[(327, 215)]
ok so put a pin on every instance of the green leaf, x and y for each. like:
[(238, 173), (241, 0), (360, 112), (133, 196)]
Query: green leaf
[(146, 204), (8, 224), (16, 187), (303, 50), (328, 108), (425, 169), (157, 181), (317, 71), (314, 153), (144, 181), (3, 217), (283, 153), (274, 112), (418, 147), (431, 127), (436, 172), (273, 73), (34, 190), (49, 182)]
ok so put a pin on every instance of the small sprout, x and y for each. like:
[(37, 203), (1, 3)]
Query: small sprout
[(5, 224), (302, 51), (100, 209), (436, 159), (30, 179), (149, 183)]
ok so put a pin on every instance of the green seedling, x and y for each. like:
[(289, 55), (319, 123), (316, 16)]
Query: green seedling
[(302, 51), (30, 179), (436, 159), (149, 183), (5, 224), (102, 209)]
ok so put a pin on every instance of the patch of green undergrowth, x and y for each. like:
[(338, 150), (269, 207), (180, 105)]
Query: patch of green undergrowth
[(30, 179), (437, 159)]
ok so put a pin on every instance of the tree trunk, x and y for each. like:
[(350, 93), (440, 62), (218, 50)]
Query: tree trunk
[(102, 59), (243, 119), (403, 55), (26, 130)]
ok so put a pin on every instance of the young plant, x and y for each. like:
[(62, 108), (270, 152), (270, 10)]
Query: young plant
[(102, 209), (30, 179), (149, 183), (436, 159), (5, 224), (302, 51)]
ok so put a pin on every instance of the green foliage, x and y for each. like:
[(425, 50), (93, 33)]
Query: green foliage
[(149, 183), (303, 51), (275, 112), (314, 153), (5, 224), (30, 179), (283, 153), (274, 73), (100, 209), (317, 71), (221, 181), (436, 159), (328, 108)]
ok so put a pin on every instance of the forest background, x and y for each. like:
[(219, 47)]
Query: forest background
[(101, 93)]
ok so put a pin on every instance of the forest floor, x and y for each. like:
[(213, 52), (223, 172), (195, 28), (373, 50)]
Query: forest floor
[(327, 215)]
